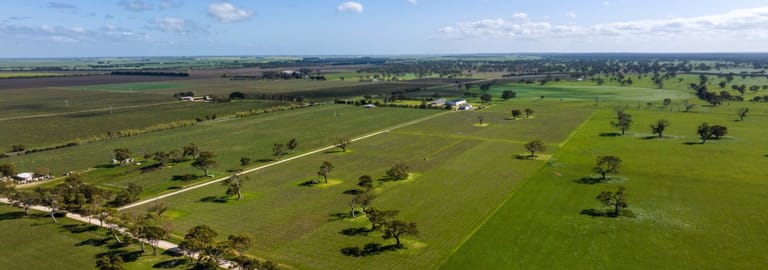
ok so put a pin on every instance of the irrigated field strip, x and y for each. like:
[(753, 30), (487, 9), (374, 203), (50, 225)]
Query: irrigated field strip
[(275, 163)]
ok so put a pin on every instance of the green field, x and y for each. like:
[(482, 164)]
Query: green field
[(246, 137), (28, 74), (695, 206), (35, 242), (469, 171), (60, 129)]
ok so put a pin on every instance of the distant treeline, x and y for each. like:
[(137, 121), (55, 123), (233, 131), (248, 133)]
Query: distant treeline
[(150, 73)]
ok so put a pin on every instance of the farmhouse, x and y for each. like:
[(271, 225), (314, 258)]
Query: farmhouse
[(456, 102), (28, 177)]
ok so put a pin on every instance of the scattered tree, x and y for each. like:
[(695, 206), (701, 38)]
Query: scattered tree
[(325, 170), (399, 171), (292, 145), (659, 127), (122, 155), (528, 112), (234, 187), (110, 262), (205, 162), (343, 142), (380, 217), (279, 150), (397, 228), (516, 113), (607, 165), (667, 102), (365, 182), (245, 161), (8, 169), (199, 240), (507, 94), (688, 106), (742, 112), (535, 146), (190, 150), (704, 131), (480, 119), (718, 131), (18, 148), (623, 123), (240, 243), (615, 199), (485, 97), (25, 200)]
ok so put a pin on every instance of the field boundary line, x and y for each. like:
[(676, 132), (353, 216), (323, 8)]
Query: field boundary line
[(510, 196), (86, 111), (326, 148)]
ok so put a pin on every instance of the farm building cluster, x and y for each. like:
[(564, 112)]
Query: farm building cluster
[(27, 177)]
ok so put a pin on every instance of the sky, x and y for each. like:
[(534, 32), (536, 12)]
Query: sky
[(103, 28)]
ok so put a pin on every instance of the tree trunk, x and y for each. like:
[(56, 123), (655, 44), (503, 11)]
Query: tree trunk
[(397, 240), (26, 210), (117, 239), (622, 132), (661, 135), (154, 250), (239, 194), (53, 217), (532, 153), (616, 209), (206, 172), (142, 245), (326, 178), (603, 173), (352, 207)]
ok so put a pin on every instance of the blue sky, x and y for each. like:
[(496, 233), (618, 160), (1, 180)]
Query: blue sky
[(86, 28)]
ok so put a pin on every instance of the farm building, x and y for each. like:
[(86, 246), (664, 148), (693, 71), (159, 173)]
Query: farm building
[(198, 99), (456, 102), (369, 106), (25, 176), (437, 103)]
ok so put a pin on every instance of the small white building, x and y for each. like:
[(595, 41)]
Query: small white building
[(456, 102), (25, 176), (369, 106)]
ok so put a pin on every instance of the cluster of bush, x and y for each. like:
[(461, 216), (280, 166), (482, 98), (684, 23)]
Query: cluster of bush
[(274, 109)]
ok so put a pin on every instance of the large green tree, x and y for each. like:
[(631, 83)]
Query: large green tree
[(659, 127), (615, 199), (205, 161), (535, 146), (607, 165), (234, 186), (397, 228), (325, 170)]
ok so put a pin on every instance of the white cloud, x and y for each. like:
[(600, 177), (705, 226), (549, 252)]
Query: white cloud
[(226, 12), (413, 2), (136, 5), (350, 6), (177, 25), (571, 15), (751, 22), (520, 15)]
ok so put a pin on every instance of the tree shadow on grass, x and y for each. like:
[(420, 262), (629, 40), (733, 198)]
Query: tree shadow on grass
[(127, 256), (610, 134), (214, 199), (105, 166), (369, 249), (96, 242), (693, 143), (79, 228), (524, 157), (355, 231), (591, 180), (12, 215), (264, 160), (174, 187), (338, 216), (650, 137), (607, 214), (353, 191), (171, 263), (185, 177)]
